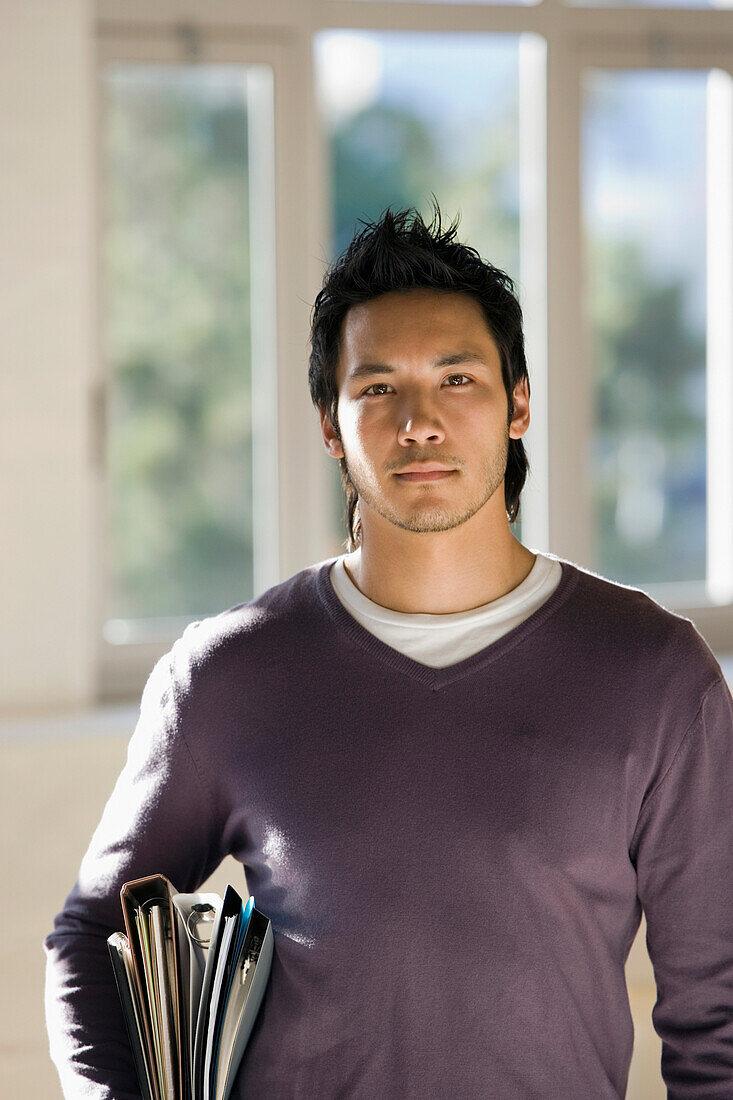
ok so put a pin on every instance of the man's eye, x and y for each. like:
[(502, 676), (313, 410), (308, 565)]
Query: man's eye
[(375, 385)]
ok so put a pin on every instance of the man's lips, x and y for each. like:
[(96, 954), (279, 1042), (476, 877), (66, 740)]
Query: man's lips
[(433, 475)]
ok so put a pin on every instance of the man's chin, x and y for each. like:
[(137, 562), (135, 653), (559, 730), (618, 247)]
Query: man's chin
[(427, 522)]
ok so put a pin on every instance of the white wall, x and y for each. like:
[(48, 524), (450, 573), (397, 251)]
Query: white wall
[(46, 333)]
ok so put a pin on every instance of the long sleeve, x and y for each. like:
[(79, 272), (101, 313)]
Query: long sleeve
[(160, 818), (683, 853)]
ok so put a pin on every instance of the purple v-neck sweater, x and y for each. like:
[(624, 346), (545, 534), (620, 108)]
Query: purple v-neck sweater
[(454, 859)]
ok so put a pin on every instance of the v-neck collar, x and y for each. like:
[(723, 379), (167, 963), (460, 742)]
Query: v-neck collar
[(437, 678)]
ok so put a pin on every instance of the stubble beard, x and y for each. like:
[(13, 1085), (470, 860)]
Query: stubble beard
[(424, 518)]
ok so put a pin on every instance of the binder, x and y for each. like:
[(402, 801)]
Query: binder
[(138, 896), (226, 917), (191, 971), (122, 964), (196, 913), (250, 980)]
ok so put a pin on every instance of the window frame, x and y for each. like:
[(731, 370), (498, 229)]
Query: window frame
[(568, 39), (298, 477)]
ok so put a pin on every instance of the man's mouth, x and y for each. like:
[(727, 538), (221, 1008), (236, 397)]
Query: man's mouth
[(423, 475)]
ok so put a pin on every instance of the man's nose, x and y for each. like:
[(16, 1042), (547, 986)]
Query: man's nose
[(419, 427)]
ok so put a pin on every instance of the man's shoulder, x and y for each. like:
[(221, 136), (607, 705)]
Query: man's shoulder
[(256, 630), (622, 618)]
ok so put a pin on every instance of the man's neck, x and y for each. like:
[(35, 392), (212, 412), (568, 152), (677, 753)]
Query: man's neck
[(435, 584)]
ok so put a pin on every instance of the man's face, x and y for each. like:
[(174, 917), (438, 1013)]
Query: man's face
[(409, 409)]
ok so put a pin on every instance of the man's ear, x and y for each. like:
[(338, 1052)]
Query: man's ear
[(520, 416), (330, 439)]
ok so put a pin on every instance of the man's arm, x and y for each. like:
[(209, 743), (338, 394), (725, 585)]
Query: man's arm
[(160, 818), (683, 853)]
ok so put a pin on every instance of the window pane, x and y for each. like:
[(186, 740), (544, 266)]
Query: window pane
[(407, 114), (177, 343), (643, 198)]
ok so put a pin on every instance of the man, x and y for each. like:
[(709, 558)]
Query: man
[(454, 769)]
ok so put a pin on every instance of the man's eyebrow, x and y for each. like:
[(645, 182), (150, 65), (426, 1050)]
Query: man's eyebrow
[(362, 370)]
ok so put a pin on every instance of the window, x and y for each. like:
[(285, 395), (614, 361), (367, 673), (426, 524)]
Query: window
[(410, 114), (644, 218), (187, 417), (587, 152)]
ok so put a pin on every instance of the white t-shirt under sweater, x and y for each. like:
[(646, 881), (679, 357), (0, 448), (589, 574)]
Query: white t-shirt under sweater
[(441, 640)]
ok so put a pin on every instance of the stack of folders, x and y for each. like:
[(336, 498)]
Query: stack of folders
[(191, 971)]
